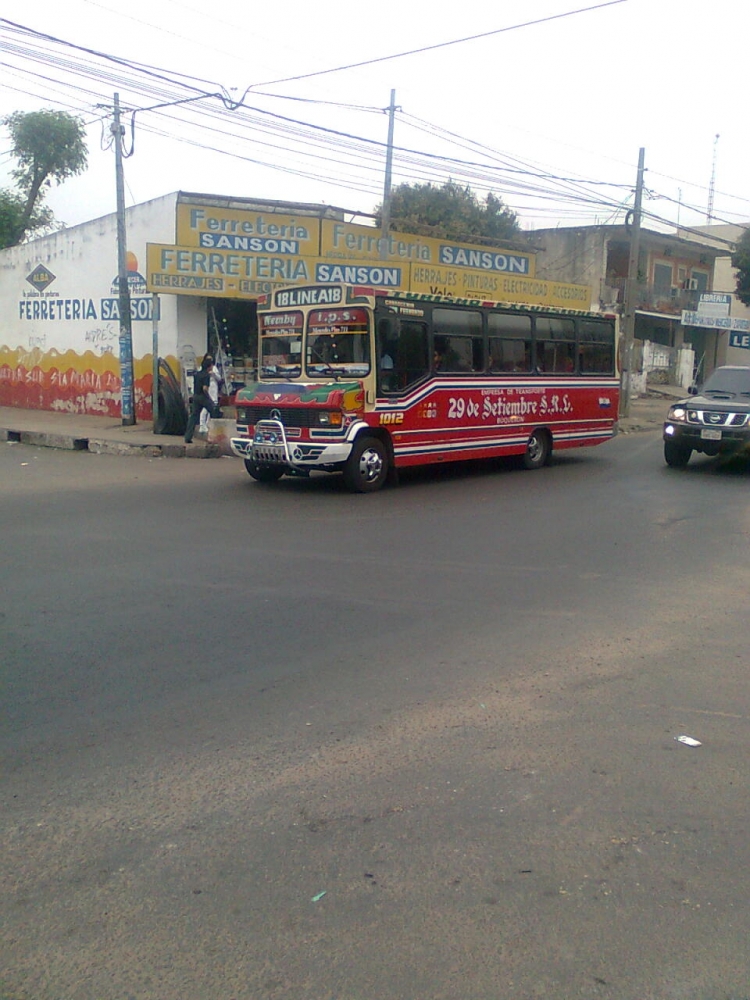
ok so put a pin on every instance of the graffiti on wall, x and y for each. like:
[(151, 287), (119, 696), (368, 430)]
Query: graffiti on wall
[(70, 382), (85, 377)]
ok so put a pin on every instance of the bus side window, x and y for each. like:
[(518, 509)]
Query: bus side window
[(509, 342), (555, 344), (596, 346), (458, 336)]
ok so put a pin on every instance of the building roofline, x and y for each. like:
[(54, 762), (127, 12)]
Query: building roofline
[(317, 209), (652, 235)]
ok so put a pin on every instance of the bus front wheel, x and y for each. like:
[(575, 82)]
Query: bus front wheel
[(538, 450), (366, 469), (263, 473)]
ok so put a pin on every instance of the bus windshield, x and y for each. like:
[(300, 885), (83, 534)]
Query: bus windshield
[(338, 342), (281, 345)]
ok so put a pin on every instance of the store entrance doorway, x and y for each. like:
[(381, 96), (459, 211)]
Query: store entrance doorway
[(233, 339)]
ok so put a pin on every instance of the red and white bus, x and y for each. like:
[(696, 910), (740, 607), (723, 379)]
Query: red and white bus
[(365, 382)]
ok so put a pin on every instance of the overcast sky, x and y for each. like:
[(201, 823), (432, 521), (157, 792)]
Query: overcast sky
[(548, 115)]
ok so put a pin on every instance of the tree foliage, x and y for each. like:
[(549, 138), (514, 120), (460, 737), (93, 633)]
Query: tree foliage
[(48, 146), (450, 212), (741, 260), (12, 209)]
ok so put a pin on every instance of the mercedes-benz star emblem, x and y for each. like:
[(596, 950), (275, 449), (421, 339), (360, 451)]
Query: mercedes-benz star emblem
[(275, 415)]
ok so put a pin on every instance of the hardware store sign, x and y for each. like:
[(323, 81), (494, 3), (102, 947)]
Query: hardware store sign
[(236, 253)]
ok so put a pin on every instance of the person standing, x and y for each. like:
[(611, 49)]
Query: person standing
[(213, 391), (201, 399)]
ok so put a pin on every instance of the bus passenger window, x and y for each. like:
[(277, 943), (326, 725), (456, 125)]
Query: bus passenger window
[(596, 345), (458, 331), (456, 354), (509, 355), (555, 344), (509, 342)]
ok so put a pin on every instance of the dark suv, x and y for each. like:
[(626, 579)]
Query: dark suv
[(714, 420)]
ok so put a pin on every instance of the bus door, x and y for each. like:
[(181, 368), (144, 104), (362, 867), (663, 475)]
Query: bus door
[(402, 352)]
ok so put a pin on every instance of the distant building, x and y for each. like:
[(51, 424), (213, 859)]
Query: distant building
[(725, 237), (673, 273)]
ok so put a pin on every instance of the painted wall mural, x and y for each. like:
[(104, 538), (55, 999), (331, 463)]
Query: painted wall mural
[(71, 383)]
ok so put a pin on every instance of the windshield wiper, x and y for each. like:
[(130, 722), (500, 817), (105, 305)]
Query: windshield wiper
[(323, 369), (277, 371)]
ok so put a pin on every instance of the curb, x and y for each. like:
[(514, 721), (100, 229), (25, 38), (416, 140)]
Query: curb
[(105, 446), (40, 439)]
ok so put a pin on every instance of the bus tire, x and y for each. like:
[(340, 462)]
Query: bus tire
[(538, 450), (366, 469), (676, 455), (263, 473)]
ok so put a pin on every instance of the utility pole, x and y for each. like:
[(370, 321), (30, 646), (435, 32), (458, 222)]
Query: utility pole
[(628, 326), (126, 331), (155, 415), (385, 221)]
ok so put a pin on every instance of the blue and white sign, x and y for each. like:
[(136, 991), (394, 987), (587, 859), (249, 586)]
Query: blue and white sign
[(484, 260), (355, 274), (737, 339), (715, 322)]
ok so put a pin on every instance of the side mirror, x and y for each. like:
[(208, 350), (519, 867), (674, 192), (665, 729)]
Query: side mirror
[(693, 390)]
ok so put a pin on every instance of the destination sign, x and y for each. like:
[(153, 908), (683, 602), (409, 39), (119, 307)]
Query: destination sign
[(285, 298)]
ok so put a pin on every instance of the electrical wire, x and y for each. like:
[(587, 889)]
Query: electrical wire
[(438, 45), (513, 177)]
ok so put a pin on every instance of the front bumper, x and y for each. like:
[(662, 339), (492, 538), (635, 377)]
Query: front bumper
[(271, 446), (708, 440)]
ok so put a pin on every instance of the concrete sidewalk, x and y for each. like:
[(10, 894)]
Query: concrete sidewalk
[(107, 435)]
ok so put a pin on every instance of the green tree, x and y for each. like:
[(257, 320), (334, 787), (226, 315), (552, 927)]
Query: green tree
[(450, 212), (48, 146), (741, 260), (12, 207)]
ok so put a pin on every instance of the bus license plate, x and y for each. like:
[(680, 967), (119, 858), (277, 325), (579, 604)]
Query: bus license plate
[(710, 434)]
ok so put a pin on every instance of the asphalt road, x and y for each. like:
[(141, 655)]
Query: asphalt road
[(285, 742)]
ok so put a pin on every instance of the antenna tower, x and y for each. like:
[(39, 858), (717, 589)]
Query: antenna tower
[(710, 212)]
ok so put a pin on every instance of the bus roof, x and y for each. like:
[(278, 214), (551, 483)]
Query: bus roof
[(291, 296), (484, 303)]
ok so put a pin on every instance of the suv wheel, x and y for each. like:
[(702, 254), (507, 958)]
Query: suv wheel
[(677, 455)]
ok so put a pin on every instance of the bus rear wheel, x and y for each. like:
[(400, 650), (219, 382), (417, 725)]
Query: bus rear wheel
[(366, 469), (263, 473), (538, 450)]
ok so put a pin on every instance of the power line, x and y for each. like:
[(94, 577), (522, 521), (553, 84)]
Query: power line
[(438, 45), (512, 176)]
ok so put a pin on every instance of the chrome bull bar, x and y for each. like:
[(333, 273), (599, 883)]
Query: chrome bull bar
[(270, 445)]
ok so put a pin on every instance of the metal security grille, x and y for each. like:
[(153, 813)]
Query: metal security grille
[(290, 416), (717, 418)]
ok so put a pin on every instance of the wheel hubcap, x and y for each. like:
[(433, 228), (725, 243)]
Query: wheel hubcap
[(535, 449), (370, 465)]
